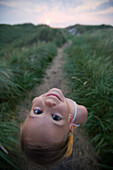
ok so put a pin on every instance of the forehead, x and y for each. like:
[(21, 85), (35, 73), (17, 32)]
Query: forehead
[(43, 131)]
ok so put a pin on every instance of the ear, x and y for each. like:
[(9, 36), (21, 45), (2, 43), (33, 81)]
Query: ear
[(71, 122)]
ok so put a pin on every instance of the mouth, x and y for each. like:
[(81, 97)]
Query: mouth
[(53, 94)]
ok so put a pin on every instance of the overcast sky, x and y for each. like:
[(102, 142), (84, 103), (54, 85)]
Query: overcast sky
[(56, 13)]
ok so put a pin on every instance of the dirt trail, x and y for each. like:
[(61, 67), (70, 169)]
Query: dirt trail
[(53, 79), (54, 75), (82, 157)]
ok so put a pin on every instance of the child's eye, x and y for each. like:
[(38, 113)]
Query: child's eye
[(37, 111), (56, 117)]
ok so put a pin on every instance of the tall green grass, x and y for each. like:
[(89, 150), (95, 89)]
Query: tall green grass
[(18, 74), (9, 143), (24, 56), (89, 69)]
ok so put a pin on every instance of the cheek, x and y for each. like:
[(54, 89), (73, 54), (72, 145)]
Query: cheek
[(64, 110)]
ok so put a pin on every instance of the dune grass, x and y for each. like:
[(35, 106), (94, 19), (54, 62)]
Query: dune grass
[(89, 69), (18, 74), (25, 53)]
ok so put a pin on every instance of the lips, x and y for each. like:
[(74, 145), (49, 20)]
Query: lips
[(53, 94)]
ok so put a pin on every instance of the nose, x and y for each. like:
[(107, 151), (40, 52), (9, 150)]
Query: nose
[(50, 102)]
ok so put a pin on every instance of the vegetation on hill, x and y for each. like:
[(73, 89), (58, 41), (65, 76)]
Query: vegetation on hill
[(80, 29), (26, 35), (89, 69)]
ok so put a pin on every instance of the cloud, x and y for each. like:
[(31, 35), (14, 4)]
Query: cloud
[(105, 5), (107, 15), (100, 5), (63, 3), (5, 7)]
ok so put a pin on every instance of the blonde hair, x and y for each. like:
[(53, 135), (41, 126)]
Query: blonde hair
[(46, 156)]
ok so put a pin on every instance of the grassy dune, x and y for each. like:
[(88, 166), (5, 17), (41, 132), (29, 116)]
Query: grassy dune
[(89, 69)]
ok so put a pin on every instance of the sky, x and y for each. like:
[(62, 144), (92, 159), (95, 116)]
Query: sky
[(56, 13)]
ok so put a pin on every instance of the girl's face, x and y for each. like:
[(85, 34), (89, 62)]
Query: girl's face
[(48, 121)]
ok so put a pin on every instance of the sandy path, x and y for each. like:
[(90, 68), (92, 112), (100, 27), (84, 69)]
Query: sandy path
[(82, 157), (54, 75)]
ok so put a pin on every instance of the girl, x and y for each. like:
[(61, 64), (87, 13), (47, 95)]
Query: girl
[(47, 133)]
